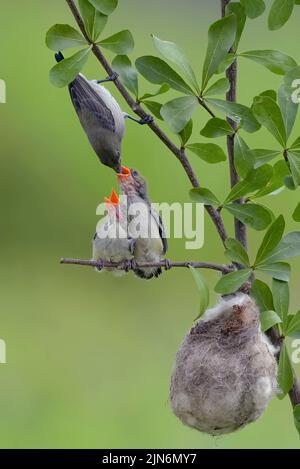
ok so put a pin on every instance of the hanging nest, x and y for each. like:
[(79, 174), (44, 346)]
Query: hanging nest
[(225, 371)]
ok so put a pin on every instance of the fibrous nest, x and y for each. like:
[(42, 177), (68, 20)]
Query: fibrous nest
[(225, 371)]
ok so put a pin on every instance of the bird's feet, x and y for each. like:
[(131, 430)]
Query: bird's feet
[(146, 120), (167, 264), (113, 77), (100, 265), (129, 264)]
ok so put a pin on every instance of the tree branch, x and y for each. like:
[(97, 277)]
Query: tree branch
[(136, 107), (165, 263), (231, 74)]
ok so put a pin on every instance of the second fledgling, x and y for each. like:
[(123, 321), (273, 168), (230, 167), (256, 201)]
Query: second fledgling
[(151, 245)]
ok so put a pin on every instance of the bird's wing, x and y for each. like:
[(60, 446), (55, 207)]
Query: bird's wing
[(161, 229), (86, 100)]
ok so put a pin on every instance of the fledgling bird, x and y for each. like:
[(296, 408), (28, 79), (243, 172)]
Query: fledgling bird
[(100, 116), (151, 246), (111, 242)]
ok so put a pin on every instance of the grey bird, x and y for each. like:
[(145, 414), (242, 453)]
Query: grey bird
[(100, 116), (110, 242), (152, 247)]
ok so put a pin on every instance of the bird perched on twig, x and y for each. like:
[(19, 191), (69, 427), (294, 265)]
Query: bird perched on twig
[(150, 242), (111, 242), (100, 116)]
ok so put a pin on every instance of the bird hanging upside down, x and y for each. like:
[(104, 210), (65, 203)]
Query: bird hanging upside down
[(101, 117), (111, 242), (151, 245)]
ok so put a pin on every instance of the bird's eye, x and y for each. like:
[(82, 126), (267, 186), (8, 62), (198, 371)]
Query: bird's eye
[(134, 173)]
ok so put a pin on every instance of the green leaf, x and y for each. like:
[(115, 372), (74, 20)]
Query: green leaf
[(159, 72), (63, 36), (208, 152), (294, 324), (288, 109), (221, 36), (270, 93), (186, 133), (294, 161), (280, 171), (94, 21), (296, 410), (127, 74), (179, 111), (67, 70), (204, 196), (296, 144), (239, 113), (120, 43), (238, 10), (285, 372), (161, 90), (170, 51), (268, 114), (291, 84), (244, 162), (236, 252), (229, 59), (296, 213), (221, 86), (271, 239), (230, 283), (288, 247), (253, 8), (216, 127), (289, 183), (268, 319), (105, 6), (261, 156), (154, 108), (254, 215), (275, 61), (279, 14), (256, 179), (203, 290), (281, 298), (263, 296), (278, 270)]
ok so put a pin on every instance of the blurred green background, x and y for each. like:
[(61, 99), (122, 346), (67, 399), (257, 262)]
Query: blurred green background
[(90, 356)]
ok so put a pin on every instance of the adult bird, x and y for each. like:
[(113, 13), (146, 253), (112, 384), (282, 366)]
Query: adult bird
[(111, 242), (100, 116), (150, 244)]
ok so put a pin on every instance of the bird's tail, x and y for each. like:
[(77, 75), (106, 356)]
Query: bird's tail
[(59, 57)]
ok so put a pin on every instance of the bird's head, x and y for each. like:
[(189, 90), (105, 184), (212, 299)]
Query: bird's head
[(113, 201), (131, 181)]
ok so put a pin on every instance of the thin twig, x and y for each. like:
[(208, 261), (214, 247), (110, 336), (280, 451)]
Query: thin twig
[(136, 107), (231, 74), (165, 263)]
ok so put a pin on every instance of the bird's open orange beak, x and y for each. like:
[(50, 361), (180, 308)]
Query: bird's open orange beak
[(113, 199), (124, 174)]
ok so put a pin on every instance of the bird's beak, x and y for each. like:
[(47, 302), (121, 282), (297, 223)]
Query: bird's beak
[(113, 199), (124, 174)]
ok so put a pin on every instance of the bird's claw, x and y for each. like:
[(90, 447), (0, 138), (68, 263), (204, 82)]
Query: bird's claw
[(167, 264), (100, 265), (129, 265), (146, 120), (113, 77)]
